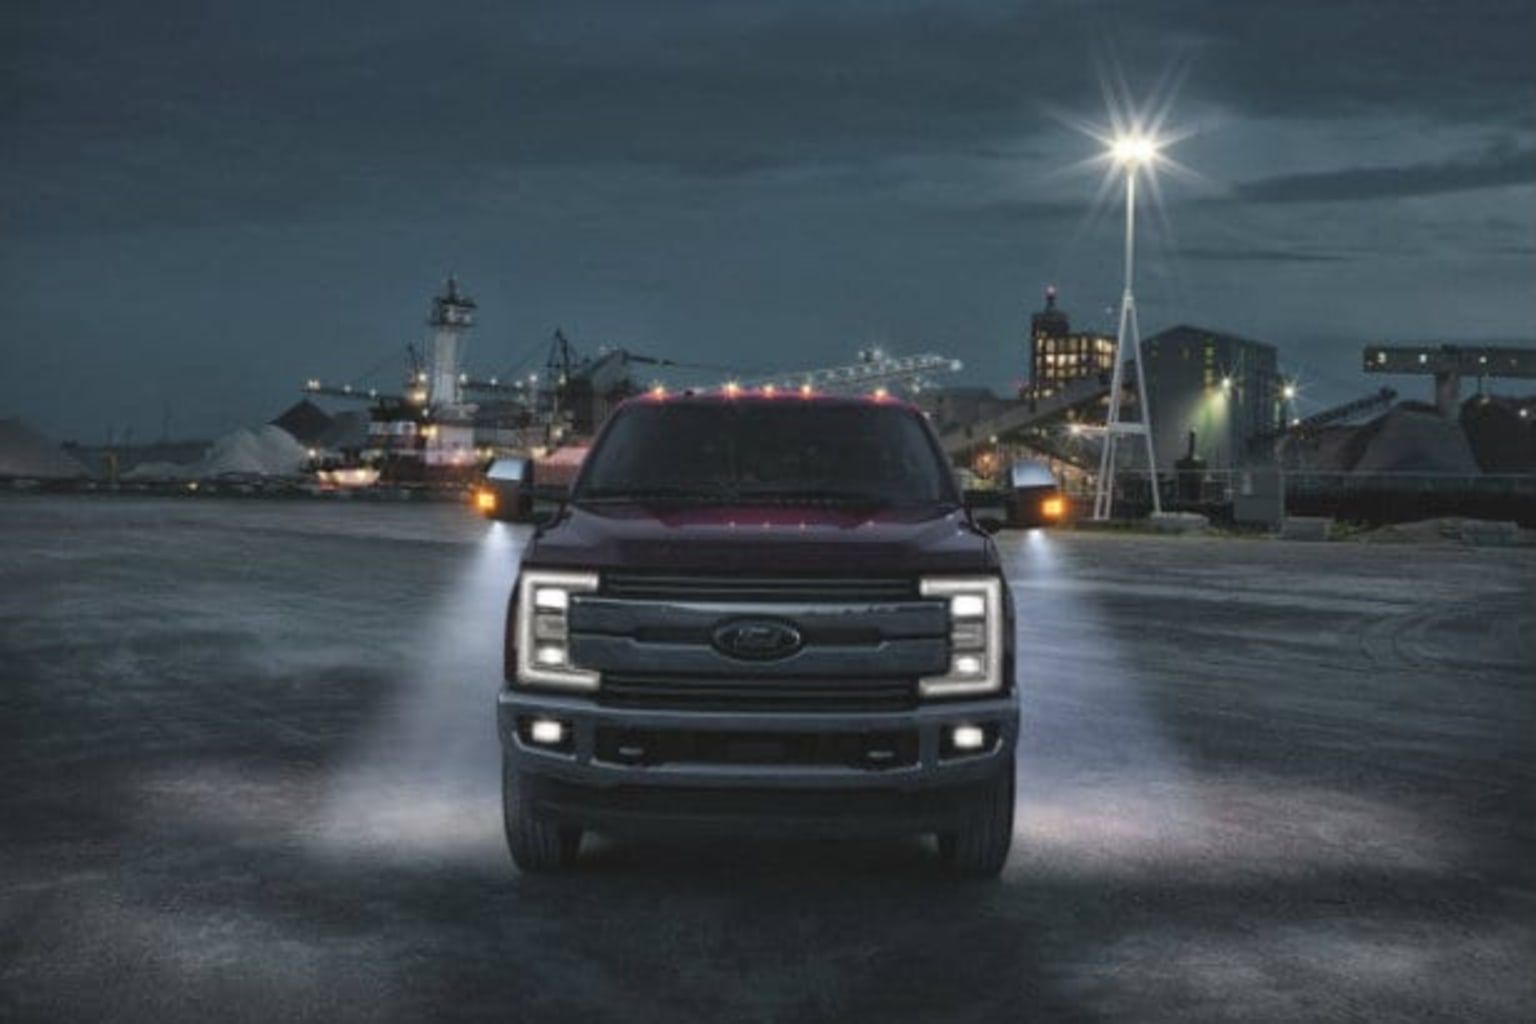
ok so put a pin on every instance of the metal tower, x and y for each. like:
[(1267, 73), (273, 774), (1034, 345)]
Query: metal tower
[(1130, 153)]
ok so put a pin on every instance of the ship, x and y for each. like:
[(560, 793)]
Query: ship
[(444, 426)]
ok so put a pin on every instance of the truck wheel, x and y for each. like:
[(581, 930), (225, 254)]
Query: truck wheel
[(535, 844), (979, 847)]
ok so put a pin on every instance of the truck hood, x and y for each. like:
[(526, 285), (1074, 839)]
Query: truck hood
[(763, 540)]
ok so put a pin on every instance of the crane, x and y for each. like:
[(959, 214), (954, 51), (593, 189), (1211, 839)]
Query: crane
[(875, 366)]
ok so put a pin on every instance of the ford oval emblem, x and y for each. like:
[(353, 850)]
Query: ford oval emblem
[(757, 639)]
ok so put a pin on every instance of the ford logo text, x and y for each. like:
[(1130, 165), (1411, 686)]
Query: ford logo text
[(757, 639)]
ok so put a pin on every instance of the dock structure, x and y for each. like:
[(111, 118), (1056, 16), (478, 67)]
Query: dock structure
[(1028, 412), (1448, 364)]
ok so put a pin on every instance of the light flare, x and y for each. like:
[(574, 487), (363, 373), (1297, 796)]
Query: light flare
[(1135, 150)]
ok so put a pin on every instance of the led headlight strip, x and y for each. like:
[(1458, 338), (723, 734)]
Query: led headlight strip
[(543, 629), (975, 635)]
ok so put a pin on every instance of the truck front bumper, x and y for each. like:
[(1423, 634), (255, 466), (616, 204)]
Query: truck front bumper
[(831, 772)]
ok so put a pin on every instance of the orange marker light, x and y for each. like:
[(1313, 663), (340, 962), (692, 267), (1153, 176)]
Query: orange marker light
[(1053, 508), (485, 500)]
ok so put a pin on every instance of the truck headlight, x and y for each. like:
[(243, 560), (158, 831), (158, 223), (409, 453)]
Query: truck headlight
[(975, 635), (543, 629)]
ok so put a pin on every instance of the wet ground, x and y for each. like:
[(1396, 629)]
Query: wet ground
[(248, 771)]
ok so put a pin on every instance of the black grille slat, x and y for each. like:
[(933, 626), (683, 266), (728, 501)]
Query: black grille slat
[(897, 749), (749, 694), (896, 658), (726, 588)]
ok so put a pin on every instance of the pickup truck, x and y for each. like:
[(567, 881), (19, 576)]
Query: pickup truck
[(761, 611)]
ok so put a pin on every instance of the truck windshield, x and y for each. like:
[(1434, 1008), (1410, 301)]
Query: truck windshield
[(772, 452)]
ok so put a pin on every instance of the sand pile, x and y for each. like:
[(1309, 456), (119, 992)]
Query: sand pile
[(269, 451), (1410, 438), (1415, 440), (1452, 530), (26, 454)]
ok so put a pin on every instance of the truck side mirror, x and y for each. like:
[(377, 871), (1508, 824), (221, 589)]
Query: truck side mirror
[(506, 491), (987, 506), (989, 524), (1033, 496)]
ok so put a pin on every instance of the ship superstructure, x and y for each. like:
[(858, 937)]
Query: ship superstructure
[(431, 431)]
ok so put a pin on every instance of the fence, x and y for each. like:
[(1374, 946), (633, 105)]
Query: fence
[(1370, 498)]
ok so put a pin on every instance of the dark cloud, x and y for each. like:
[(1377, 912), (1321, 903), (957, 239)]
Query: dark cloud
[(1258, 255), (1492, 170), (1032, 210), (1428, 60), (202, 94), (177, 112)]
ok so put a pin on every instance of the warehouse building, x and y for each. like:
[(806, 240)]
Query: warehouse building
[(1218, 392)]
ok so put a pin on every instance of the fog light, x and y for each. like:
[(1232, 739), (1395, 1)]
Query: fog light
[(546, 732), (967, 737)]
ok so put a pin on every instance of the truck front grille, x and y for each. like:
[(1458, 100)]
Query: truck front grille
[(861, 643)]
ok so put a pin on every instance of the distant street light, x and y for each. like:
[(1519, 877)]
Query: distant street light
[(1132, 151)]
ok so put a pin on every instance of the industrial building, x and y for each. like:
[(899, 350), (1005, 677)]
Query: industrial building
[(1058, 356), (1219, 392)]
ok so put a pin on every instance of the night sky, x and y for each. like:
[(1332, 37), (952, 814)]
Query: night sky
[(202, 204)]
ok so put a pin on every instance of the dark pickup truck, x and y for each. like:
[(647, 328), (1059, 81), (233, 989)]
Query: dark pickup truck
[(761, 611)]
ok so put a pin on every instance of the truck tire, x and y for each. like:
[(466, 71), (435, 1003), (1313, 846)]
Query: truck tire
[(534, 843), (979, 847)]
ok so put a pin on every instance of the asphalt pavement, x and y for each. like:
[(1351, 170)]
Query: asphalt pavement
[(249, 771)]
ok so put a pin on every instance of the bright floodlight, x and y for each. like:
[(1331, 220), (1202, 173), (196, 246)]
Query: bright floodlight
[(1134, 149)]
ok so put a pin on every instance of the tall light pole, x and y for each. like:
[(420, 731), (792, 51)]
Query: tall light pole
[(1130, 152)]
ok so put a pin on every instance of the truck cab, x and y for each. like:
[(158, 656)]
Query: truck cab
[(761, 612)]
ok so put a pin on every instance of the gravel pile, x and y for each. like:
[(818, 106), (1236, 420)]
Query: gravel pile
[(26, 454), (267, 452)]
